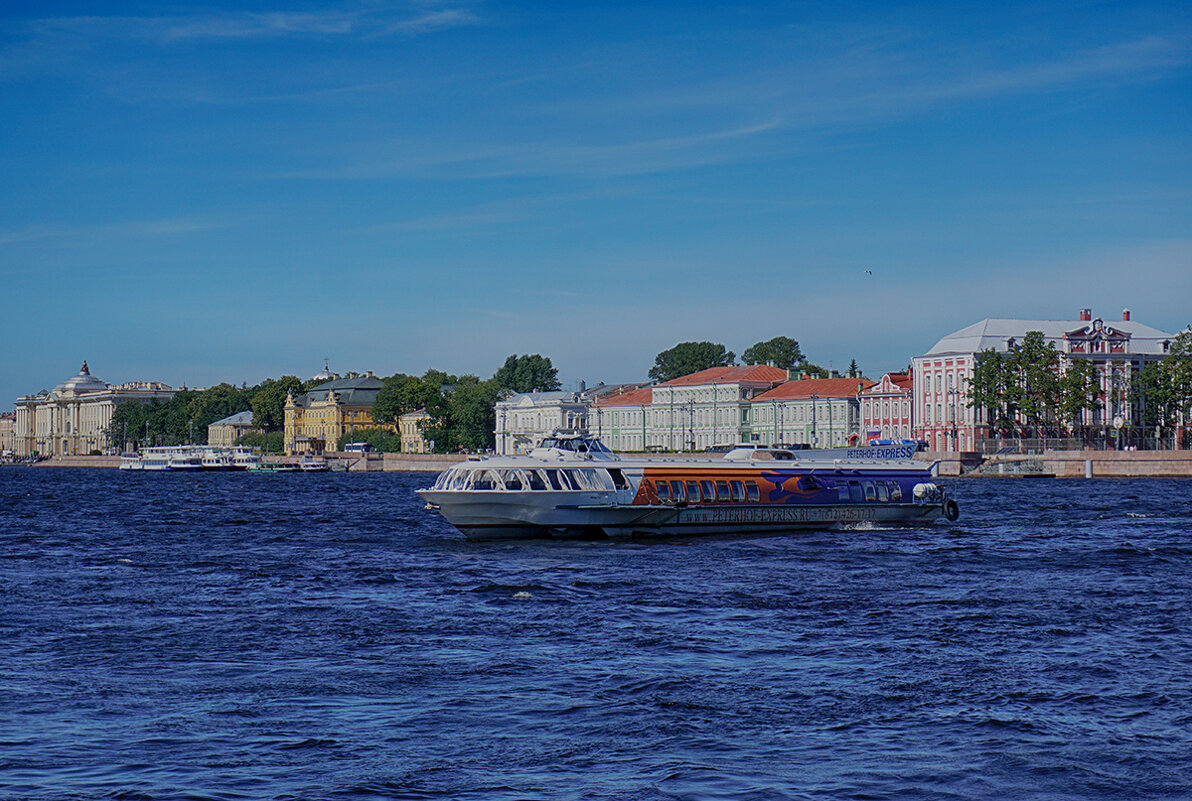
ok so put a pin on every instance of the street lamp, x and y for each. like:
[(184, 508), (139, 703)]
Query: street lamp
[(952, 414), (814, 435)]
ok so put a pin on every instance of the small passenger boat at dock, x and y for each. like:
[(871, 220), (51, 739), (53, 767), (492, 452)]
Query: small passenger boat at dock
[(573, 486)]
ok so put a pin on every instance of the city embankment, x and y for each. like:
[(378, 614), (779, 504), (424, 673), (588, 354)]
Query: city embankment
[(1061, 464), (1067, 464)]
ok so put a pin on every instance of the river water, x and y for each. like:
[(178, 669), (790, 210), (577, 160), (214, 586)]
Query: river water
[(322, 636)]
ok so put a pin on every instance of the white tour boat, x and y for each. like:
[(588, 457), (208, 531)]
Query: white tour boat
[(573, 486)]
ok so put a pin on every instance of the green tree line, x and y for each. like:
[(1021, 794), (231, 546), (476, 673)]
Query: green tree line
[(184, 418), (460, 408), (691, 357)]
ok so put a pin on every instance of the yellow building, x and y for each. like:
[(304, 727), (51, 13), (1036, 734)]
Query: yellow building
[(326, 417), (227, 432), (412, 439)]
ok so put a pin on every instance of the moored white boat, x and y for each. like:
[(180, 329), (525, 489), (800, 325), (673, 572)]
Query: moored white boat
[(186, 458), (572, 486)]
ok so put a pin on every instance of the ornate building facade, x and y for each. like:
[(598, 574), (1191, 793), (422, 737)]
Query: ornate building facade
[(324, 418), (524, 418), (1118, 349), (887, 409), (73, 417)]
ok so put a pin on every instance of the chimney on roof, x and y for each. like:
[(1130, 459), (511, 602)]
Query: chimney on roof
[(368, 374), (1125, 315), (1086, 315)]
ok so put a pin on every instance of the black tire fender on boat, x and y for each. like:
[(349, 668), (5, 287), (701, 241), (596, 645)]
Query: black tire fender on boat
[(951, 510)]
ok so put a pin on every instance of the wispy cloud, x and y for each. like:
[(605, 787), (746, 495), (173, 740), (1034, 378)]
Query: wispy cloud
[(132, 229), (364, 21)]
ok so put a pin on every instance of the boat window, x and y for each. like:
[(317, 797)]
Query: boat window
[(707, 491), (722, 492), (663, 491), (809, 483), (677, 491), (842, 491), (854, 492), (752, 491), (883, 492), (869, 493), (693, 491), (511, 479), (485, 480), (558, 479), (895, 491), (738, 491), (585, 478), (535, 479), (618, 478)]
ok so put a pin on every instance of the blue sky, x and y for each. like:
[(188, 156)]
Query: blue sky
[(229, 192)]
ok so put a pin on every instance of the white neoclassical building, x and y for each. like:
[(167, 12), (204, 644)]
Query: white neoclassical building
[(73, 417), (524, 418)]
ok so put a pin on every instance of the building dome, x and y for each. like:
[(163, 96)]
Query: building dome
[(323, 375), (83, 382)]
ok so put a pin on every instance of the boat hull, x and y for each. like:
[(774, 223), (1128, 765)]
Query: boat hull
[(480, 516)]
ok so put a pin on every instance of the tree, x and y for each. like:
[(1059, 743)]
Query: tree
[(269, 401), (527, 374), (988, 390), (216, 403), (462, 417), (1164, 389), (1080, 390), (782, 352), (401, 394), (689, 357), (1036, 366)]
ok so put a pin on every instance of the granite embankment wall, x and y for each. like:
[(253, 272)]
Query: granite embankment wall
[(1118, 464), (355, 462), (1076, 464)]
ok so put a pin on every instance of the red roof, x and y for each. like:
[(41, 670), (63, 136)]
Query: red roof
[(749, 374), (634, 397), (900, 380), (822, 387)]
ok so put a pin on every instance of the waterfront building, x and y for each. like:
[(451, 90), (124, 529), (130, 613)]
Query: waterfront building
[(412, 426), (693, 412), (887, 409), (8, 433), (73, 417), (227, 432), (1119, 349), (817, 412), (619, 420), (524, 418), (326, 417)]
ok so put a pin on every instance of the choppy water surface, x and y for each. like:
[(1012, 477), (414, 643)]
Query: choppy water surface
[(322, 637)]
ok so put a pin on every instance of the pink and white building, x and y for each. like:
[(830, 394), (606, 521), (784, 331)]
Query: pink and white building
[(1118, 349), (887, 409)]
